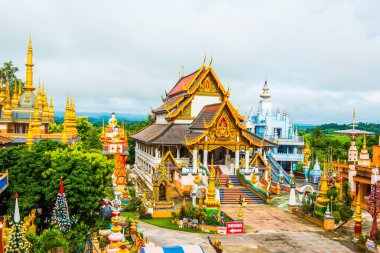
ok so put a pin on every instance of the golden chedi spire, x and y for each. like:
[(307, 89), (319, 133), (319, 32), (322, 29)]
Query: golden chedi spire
[(29, 137), (19, 91), (211, 191), (74, 118), (15, 96), (7, 109), (364, 143), (64, 139), (39, 96), (45, 112), (29, 67), (36, 120), (51, 110), (2, 93)]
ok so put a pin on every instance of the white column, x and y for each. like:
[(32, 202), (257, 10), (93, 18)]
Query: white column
[(237, 162), (247, 159), (195, 157), (156, 153), (178, 153), (205, 155)]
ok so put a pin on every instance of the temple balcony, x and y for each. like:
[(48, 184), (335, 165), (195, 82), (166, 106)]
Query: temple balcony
[(288, 157), (295, 141), (4, 181)]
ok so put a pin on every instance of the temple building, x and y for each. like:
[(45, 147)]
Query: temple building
[(359, 170), (277, 127), (26, 114), (198, 125)]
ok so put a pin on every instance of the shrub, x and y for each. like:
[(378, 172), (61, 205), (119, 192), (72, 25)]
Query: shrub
[(345, 212), (336, 215), (146, 216)]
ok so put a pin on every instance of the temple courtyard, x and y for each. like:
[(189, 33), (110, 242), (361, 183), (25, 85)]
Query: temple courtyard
[(269, 228)]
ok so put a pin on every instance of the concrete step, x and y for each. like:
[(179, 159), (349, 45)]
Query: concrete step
[(229, 195)]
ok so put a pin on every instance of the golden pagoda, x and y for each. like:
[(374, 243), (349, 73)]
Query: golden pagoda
[(23, 104), (211, 202), (322, 200)]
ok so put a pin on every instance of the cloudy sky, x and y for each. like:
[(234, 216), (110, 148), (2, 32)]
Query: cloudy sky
[(321, 58)]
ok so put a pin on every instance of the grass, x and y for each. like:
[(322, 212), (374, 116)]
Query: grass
[(163, 223), (166, 223)]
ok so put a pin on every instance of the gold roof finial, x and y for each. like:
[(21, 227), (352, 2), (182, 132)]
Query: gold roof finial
[(204, 60), (211, 60), (364, 143), (29, 67)]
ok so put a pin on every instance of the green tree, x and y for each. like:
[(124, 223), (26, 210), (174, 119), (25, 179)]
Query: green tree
[(8, 72), (48, 242), (35, 175), (55, 128), (90, 135)]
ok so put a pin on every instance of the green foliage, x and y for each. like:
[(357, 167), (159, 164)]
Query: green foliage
[(133, 205), (35, 175), (77, 235), (331, 127), (332, 193), (347, 197), (90, 135), (337, 216), (49, 241), (55, 128), (345, 207), (299, 166), (307, 206), (8, 72), (345, 212)]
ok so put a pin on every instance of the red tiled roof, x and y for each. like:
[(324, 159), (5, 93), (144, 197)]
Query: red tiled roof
[(182, 82), (211, 107)]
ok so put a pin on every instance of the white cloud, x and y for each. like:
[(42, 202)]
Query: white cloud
[(321, 57)]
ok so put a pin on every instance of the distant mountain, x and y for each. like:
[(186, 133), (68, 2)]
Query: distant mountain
[(98, 117)]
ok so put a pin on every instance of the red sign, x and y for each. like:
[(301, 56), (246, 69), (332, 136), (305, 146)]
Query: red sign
[(235, 227)]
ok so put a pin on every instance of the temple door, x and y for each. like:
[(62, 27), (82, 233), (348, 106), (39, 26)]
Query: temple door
[(162, 193)]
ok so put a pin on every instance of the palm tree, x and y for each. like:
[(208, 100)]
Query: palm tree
[(48, 242)]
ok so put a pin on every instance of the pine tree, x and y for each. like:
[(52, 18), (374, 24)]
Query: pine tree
[(61, 211), (17, 241)]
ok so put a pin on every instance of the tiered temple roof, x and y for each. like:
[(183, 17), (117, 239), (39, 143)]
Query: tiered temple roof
[(181, 124)]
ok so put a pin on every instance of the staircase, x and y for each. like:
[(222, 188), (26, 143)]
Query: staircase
[(229, 195)]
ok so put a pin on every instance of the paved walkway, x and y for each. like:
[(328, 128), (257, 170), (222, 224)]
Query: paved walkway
[(276, 230), (269, 228)]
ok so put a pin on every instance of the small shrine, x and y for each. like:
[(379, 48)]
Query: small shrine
[(114, 138), (120, 179), (162, 184), (315, 173), (212, 204)]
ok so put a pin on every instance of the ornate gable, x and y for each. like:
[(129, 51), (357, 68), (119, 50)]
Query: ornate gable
[(169, 160), (209, 87), (258, 160)]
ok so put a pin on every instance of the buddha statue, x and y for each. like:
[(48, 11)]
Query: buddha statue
[(112, 121)]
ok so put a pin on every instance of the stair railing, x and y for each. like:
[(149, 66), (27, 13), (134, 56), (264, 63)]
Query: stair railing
[(278, 167), (264, 195)]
